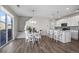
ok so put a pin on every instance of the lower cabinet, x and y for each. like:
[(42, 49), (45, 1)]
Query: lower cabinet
[(74, 34), (65, 36)]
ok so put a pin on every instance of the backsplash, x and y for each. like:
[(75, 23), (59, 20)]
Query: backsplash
[(71, 27)]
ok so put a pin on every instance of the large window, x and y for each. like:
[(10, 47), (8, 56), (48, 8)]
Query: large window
[(6, 26), (2, 28)]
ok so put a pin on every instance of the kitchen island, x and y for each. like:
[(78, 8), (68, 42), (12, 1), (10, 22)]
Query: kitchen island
[(65, 36)]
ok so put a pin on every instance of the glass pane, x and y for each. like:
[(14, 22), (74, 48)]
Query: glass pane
[(9, 22), (2, 28)]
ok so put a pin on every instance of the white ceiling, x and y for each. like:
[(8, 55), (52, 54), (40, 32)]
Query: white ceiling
[(44, 10)]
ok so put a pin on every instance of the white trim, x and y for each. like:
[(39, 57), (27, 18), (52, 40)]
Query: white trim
[(13, 29), (6, 28)]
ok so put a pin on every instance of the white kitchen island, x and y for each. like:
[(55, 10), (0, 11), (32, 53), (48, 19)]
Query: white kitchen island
[(63, 36)]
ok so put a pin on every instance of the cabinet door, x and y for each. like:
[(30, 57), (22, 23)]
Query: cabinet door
[(68, 36), (74, 34)]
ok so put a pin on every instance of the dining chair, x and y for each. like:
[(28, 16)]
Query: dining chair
[(30, 38), (37, 37)]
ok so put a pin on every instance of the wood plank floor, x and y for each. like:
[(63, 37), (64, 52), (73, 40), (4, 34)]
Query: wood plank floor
[(46, 45)]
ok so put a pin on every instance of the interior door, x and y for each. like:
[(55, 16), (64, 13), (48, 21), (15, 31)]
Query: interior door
[(2, 28)]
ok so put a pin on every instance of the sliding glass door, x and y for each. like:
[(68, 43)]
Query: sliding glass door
[(6, 26), (9, 27), (2, 28)]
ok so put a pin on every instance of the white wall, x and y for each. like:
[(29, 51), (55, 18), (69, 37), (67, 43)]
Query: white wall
[(41, 24), (15, 20), (21, 23), (72, 21)]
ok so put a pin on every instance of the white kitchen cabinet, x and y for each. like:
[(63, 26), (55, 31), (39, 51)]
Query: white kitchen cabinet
[(63, 36), (66, 36), (74, 34)]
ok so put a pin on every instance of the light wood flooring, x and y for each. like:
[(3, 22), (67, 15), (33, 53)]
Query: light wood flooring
[(46, 45)]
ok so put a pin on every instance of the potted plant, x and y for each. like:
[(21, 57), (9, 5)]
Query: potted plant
[(29, 29)]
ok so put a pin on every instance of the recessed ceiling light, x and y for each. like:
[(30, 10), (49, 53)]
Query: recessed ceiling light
[(67, 8), (77, 11)]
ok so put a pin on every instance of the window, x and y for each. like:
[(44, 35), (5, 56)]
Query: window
[(6, 27)]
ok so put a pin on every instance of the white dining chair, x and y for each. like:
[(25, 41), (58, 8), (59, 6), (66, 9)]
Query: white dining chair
[(30, 38), (37, 37)]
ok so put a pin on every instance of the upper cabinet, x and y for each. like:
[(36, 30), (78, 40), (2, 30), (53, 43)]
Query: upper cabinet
[(71, 21)]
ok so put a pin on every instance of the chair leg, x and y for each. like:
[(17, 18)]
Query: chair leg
[(39, 41), (33, 42)]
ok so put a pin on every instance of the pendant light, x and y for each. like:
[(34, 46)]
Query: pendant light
[(33, 11)]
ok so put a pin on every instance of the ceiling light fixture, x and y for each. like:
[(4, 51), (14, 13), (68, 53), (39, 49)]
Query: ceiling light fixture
[(67, 8), (58, 14), (77, 10), (33, 11)]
